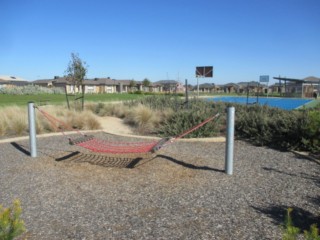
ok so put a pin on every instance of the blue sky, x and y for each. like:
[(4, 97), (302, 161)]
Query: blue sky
[(161, 39)]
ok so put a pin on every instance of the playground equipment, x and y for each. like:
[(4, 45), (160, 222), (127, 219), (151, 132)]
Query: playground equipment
[(105, 146)]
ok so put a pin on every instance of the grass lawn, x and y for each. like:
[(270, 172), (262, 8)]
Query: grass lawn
[(22, 100)]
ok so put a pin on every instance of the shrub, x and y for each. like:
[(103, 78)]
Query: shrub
[(31, 90), (274, 127), (143, 118), (290, 232), (261, 125), (11, 225), (138, 92), (181, 121), (311, 137)]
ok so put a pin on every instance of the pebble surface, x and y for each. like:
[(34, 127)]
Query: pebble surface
[(181, 192)]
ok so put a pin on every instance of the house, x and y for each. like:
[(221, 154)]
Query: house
[(206, 87), (98, 85), (231, 88), (276, 88), (169, 86), (12, 81), (252, 87)]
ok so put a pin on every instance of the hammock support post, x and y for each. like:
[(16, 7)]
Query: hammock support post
[(229, 141), (32, 130)]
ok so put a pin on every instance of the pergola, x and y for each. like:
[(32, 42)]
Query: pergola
[(298, 87)]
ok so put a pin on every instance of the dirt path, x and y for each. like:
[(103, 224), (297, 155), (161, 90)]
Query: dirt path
[(114, 125)]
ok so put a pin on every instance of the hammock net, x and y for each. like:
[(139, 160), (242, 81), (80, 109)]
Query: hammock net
[(104, 146)]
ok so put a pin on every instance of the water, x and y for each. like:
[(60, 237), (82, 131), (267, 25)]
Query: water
[(283, 103)]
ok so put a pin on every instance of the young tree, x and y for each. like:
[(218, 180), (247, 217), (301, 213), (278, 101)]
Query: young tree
[(132, 84), (146, 82), (76, 71), (75, 74)]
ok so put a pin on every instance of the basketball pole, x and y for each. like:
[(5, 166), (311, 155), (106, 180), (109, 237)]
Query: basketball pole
[(198, 85)]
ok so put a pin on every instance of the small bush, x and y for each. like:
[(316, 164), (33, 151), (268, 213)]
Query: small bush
[(311, 138), (290, 232), (267, 126), (11, 225), (138, 92), (143, 118), (182, 121)]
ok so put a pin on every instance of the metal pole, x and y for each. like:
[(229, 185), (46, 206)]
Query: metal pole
[(247, 94), (229, 141), (198, 86), (187, 96), (32, 130)]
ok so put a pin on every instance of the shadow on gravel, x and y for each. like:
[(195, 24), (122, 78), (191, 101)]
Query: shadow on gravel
[(315, 158), (188, 165), (316, 201), (21, 148), (315, 179), (101, 160), (300, 217)]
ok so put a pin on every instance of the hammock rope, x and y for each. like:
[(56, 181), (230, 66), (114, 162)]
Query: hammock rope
[(104, 146), (57, 124)]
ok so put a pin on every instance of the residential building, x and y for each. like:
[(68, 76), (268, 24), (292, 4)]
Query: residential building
[(11, 81)]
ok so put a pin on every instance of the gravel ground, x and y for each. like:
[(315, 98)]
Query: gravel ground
[(180, 193)]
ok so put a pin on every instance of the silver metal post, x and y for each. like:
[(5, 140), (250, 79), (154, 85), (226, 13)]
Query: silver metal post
[(32, 130), (198, 86), (229, 141)]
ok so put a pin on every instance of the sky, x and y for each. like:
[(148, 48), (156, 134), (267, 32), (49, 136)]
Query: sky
[(161, 39)]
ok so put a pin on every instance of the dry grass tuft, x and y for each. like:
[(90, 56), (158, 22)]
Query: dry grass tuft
[(85, 120), (14, 120), (108, 109), (3, 125), (142, 117)]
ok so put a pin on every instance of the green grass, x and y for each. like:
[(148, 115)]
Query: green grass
[(313, 104), (22, 100)]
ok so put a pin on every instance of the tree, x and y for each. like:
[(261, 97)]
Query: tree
[(146, 82), (132, 84), (75, 74), (76, 71)]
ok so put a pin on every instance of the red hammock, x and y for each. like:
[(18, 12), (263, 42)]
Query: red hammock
[(105, 146)]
